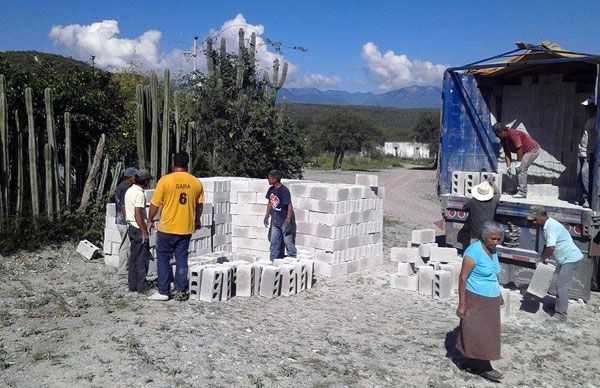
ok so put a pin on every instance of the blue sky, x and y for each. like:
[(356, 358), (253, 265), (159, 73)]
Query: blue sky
[(352, 45)]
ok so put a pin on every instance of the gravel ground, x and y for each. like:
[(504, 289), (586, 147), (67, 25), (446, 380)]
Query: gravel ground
[(67, 322)]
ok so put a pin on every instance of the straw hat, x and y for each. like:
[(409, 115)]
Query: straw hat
[(483, 191)]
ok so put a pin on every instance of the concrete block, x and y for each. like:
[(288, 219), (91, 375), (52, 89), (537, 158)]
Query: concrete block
[(111, 209), (405, 255), (425, 274), (111, 260), (330, 270), (540, 282), (442, 254), (404, 269), (458, 183), (112, 235), (422, 236), (211, 284), (366, 180), (425, 249), (195, 279), (471, 180), (301, 275), (257, 276), (309, 265), (88, 250), (409, 283), (442, 284), (289, 280), (270, 281), (245, 280)]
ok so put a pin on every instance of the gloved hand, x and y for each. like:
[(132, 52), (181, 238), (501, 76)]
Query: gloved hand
[(518, 170), (266, 221)]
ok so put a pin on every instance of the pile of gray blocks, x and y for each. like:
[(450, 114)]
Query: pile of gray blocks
[(425, 267), (464, 181), (221, 276), (340, 225)]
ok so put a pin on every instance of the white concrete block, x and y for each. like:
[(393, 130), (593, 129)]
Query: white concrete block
[(425, 274), (330, 270), (409, 283), (111, 260), (404, 269), (405, 255), (425, 249), (540, 282), (442, 284), (367, 180), (211, 284), (289, 279), (422, 236), (195, 279), (443, 254), (309, 266), (270, 281), (88, 250), (246, 197)]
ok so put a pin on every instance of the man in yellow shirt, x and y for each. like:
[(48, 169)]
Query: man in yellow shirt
[(180, 198)]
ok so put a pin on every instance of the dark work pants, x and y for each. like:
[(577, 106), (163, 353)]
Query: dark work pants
[(167, 245), (139, 259)]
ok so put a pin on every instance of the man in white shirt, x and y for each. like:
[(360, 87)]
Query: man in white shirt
[(135, 215), (586, 151)]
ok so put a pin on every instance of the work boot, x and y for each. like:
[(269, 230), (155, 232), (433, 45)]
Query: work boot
[(181, 296), (492, 375)]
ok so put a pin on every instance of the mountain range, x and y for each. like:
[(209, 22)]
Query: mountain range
[(409, 97)]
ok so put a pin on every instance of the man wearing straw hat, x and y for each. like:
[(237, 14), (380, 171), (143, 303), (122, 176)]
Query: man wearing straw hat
[(481, 208)]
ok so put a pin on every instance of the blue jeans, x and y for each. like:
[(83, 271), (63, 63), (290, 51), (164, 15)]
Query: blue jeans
[(583, 173), (564, 278), (278, 237), (167, 245)]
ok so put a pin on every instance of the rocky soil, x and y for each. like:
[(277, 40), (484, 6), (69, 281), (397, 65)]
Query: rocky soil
[(68, 322)]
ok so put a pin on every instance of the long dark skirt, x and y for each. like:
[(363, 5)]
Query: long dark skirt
[(479, 331)]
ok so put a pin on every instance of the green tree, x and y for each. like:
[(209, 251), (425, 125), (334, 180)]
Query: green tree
[(239, 129), (427, 130), (341, 131)]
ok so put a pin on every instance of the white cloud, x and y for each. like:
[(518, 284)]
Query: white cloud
[(392, 71), (113, 52), (317, 80)]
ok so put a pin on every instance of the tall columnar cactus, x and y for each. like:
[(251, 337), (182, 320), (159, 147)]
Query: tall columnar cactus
[(33, 181), (154, 134), (223, 52), (191, 129), (103, 179), (68, 158), (210, 59), (20, 166), (164, 146), (140, 126), (177, 122), (116, 174), (49, 179), (252, 50), (50, 128), (5, 164)]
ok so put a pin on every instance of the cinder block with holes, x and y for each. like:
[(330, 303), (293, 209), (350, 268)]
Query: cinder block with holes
[(195, 279), (88, 250), (425, 274), (270, 281), (471, 180), (289, 280), (211, 284), (458, 183), (309, 265), (245, 280), (442, 284), (228, 287)]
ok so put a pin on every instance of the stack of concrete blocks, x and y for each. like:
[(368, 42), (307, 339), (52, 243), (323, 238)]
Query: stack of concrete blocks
[(217, 212), (212, 280), (464, 181), (341, 223), (112, 237), (405, 278)]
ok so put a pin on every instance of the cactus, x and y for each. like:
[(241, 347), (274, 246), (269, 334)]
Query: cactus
[(102, 179), (20, 166), (223, 52), (154, 134), (282, 110), (210, 59), (116, 174), (164, 147), (177, 122), (49, 178), (252, 50), (191, 129), (51, 129), (68, 158), (140, 126), (5, 163), (33, 181)]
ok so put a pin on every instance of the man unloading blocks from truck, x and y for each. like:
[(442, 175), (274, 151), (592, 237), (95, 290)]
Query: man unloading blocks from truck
[(527, 150)]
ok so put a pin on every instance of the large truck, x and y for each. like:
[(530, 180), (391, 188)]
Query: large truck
[(538, 89)]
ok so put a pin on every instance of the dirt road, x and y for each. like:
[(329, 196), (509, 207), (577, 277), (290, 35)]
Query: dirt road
[(67, 322)]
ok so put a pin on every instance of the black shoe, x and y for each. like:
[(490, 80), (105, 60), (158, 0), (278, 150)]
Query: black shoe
[(181, 296), (492, 375)]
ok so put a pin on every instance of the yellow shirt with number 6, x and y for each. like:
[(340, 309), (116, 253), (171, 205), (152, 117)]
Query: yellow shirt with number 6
[(177, 194)]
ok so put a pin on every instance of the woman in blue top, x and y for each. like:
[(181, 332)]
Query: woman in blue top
[(479, 301)]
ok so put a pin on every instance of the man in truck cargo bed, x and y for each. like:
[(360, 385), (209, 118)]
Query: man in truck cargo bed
[(527, 151)]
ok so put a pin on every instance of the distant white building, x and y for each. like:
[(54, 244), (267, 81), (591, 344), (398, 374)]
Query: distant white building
[(409, 150)]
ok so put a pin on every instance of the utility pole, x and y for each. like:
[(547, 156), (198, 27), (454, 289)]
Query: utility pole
[(193, 53)]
